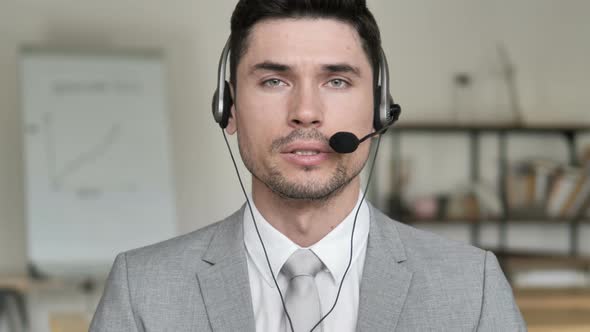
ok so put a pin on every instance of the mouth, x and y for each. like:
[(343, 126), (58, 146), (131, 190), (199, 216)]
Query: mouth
[(306, 148), (306, 153)]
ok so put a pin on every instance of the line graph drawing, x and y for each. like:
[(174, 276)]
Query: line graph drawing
[(57, 175)]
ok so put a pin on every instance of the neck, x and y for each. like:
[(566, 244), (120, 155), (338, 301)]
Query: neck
[(305, 222)]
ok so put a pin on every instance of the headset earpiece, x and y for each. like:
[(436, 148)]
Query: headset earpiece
[(377, 124), (395, 110), (222, 100), (393, 113), (386, 111), (227, 103)]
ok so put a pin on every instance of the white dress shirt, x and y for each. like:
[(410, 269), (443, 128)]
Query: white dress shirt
[(334, 252)]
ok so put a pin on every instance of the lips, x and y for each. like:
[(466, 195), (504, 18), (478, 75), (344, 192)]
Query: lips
[(304, 147), (306, 153)]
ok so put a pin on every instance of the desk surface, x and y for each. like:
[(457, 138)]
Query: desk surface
[(25, 284), (565, 310)]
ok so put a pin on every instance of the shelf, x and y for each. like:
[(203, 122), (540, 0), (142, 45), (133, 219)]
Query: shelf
[(491, 127), (539, 256), (473, 131), (565, 221), (537, 260)]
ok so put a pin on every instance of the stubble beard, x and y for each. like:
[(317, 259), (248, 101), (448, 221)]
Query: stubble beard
[(310, 190), (277, 182)]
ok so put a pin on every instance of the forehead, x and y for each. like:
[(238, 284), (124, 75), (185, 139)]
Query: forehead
[(305, 40)]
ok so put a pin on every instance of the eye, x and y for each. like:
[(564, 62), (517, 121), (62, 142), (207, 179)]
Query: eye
[(338, 83), (273, 82)]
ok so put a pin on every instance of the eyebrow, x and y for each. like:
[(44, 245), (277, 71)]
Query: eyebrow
[(330, 68), (342, 68), (271, 66)]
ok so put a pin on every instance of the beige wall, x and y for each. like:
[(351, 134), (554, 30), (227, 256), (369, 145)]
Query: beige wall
[(191, 33), (426, 42)]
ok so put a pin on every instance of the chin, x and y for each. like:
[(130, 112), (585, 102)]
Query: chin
[(310, 188)]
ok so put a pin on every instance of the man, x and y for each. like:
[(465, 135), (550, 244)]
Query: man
[(302, 71)]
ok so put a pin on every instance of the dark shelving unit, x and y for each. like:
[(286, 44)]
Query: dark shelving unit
[(503, 131)]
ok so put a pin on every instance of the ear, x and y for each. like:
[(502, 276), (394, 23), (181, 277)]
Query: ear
[(232, 125)]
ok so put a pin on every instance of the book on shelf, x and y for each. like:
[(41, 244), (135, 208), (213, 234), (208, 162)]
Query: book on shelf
[(562, 188), (528, 184), (543, 174), (534, 188), (468, 202), (540, 187), (569, 192), (579, 196)]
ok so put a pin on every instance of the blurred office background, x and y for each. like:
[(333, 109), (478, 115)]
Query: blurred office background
[(492, 148)]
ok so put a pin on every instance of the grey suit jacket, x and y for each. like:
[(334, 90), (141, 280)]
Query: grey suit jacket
[(412, 281)]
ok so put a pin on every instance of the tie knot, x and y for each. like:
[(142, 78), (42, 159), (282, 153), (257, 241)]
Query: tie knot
[(302, 262)]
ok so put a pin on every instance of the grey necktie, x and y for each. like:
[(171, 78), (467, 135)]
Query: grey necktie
[(302, 298)]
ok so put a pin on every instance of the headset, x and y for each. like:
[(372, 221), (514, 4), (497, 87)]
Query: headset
[(386, 113)]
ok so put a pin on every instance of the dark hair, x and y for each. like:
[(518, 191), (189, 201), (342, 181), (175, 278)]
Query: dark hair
[(354, 12)]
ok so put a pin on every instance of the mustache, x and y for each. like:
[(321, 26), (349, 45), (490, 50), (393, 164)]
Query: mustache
[(299, 134)]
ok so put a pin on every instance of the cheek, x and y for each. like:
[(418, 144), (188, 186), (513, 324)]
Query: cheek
[(351, 112), (256, 130), (248, 147), (262, 111)]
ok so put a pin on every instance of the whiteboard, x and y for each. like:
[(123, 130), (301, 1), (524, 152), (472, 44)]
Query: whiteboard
[(97, 157)]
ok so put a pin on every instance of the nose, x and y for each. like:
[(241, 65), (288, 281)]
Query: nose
[(306, 108)]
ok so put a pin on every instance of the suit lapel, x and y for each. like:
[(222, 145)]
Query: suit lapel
[(224, 282), (385, 281)]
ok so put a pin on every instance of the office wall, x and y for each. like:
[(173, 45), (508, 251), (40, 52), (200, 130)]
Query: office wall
[(427, 42)]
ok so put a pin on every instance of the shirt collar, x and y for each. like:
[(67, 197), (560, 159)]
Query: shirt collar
[(329, 249)]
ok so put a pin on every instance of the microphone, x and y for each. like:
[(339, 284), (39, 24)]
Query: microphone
[(347, 142)]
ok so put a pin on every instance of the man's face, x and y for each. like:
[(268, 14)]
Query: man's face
[(299, 82)]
